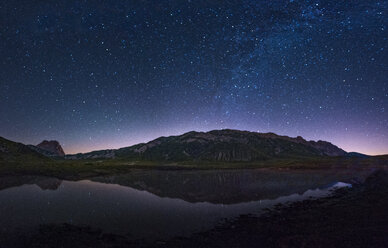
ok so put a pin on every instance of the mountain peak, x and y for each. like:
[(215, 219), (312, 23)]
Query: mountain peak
[(52, 146)]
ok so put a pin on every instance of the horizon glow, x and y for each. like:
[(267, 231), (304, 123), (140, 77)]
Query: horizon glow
[(114, 74)]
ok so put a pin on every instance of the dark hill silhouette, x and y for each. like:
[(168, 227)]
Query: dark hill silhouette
[(220, 145)]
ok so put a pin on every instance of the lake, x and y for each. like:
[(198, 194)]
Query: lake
[(147, 204)]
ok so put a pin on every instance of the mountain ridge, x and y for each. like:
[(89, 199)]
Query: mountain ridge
[(225, 145), (11, 151)]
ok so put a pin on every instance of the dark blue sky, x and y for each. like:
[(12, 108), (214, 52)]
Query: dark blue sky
[(107, 74)]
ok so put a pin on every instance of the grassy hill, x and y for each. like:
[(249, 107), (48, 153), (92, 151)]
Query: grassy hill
[(17, 152)]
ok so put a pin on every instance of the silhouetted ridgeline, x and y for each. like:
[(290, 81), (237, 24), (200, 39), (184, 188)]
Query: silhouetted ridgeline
[(220, 145)]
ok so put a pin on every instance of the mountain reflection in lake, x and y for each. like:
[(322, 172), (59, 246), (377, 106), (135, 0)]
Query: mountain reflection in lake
[(230, 186), (154, 204)]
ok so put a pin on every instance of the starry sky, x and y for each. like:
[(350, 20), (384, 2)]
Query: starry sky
[(108, 74)]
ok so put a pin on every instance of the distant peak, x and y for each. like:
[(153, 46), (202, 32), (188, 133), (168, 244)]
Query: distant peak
[(52, 146)]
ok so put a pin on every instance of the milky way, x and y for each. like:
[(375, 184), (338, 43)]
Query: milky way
[(107, 74)]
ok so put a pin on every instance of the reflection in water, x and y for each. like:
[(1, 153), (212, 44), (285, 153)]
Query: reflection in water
[(45, 183), (230, 186), (125, 210)]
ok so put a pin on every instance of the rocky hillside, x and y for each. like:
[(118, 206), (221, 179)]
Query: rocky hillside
[(221, 145), (50, 148), (214, 146)]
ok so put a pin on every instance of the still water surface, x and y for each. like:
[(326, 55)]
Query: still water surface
[(155, 204)]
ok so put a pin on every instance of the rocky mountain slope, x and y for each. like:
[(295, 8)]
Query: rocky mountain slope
[(50, 148), (220, 145)]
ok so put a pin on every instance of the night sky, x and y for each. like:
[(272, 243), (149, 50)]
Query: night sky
[(108, 74)]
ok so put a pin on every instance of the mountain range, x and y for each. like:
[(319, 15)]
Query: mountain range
[(217, 146)]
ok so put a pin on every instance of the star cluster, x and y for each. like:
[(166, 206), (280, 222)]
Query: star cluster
[(107, 74)]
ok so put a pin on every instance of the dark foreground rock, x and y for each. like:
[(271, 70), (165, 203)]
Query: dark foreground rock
[(351, 217)]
